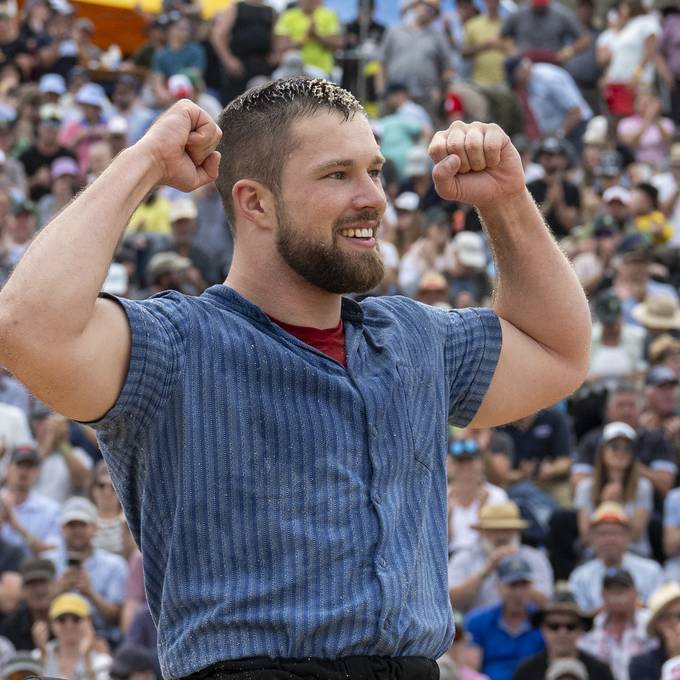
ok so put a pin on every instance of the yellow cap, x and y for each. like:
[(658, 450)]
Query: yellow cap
[(69, 603)]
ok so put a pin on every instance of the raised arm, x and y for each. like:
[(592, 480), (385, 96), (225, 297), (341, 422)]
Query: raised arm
[(543, 311), (68, 347)]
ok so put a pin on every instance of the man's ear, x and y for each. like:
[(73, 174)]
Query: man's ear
[(254, 203)]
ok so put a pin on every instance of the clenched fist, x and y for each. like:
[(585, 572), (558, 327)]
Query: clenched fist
[(477, 164), (182, 145)]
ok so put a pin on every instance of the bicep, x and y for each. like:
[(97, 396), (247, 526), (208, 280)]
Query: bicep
[(82, 379), (528, 377)]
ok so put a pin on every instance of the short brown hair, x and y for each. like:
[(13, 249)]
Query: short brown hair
[(256, 136)]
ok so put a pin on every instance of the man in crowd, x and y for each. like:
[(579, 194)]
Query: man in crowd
[(620, 628), (305, 236), (504, 632), (474, 579), (610, 539), (561, 623), (98, 575), (38, 589)]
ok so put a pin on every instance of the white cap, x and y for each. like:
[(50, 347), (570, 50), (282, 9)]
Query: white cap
[(618, 431), (408, 200), (596, 131), (469, 248), (78, 509), (617, 193), (183, 209)]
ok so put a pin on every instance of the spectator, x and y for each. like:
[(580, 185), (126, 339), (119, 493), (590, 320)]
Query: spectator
[(617, 478), (545, 31), (416, 53), (21, 229), (65, 184), (71, 653), (38, 158), (112, 533), (14, 431), (663, 624), (462, 657), (132, 663), (473, 571), (610, 539), (37, 578), (29, 520), (468, 274), (96, 574), (583, 66), (179, 53), (671, 535), (20, 666), (313, 29), (562, 623), (620, 628), (558, 198), (433, 290), (504, 631), (669, 191), (648, 219), (168, 271), (468, 492), (668, 54), (567, 669), (128, 104), (243, 39), (661, 395), (482, 43)]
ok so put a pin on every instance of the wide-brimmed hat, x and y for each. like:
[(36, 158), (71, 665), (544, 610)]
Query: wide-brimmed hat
[(562, 602), (659, 311), (661, 598), (500, 516)]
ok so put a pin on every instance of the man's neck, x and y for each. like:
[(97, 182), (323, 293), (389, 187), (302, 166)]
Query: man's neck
[(283, 294), (618, 622), (514, 618), (612, 562), (19, 496)]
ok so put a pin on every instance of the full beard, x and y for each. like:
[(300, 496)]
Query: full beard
[(327, 265)]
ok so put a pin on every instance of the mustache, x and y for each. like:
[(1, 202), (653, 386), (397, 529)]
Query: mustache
[(363, 216)]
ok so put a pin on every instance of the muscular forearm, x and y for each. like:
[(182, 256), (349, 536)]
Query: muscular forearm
[(537, 290), (52, 292)]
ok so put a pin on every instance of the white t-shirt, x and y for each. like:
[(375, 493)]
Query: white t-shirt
[(462, 518), (55, 478), (627, 48)]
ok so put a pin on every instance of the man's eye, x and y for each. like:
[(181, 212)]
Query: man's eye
[(337, 175), (375, 173)]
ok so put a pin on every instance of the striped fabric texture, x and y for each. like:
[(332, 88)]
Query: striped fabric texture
[(286, 506)]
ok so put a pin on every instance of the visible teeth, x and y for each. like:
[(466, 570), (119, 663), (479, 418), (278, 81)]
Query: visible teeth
[(357, 233)]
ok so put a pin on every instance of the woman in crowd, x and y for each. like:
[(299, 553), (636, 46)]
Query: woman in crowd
[(617, 478), (112, 532)]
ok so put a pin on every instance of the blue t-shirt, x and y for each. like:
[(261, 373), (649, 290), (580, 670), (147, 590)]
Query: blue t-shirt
[(502, 651), (287, 506), (170, 62)]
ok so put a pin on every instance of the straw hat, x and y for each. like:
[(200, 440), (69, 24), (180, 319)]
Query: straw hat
[(659, 311), (500, 516), (658, 601)]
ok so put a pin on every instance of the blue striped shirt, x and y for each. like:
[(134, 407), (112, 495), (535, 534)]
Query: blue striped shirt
[(286, 506)]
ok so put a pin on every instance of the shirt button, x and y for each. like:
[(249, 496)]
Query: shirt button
[(377, 498), (382, 562)]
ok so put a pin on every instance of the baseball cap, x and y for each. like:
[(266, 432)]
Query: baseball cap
[(552, 145), (408, 201), (514, 569), (36, 569), (432, 280), (117, 126), (183, 209), (617, 576), (659, 375), (64, 165), (69, 603), (180, 86), (618, 430), (608, 307), (25, 454), (596, 131), (91, 94), (52, 83), (469, 249), (617, 193), (166, 263), (78, 509)]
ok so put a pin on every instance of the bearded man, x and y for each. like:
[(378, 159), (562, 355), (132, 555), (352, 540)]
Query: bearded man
[(279, 449)]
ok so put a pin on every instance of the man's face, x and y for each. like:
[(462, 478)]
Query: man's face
[(552, 162), (618, 210), (78, 535), (48, 132), (610, 541), (515, 596), (23, 227), (662, 398), (38, 595), (330, 187), (668, 622), (124, 96), (619, 600), (560, 632), (498, 538), (624, 408), (22, 476)]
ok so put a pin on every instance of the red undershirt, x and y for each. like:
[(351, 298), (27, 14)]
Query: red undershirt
[(330, 341)]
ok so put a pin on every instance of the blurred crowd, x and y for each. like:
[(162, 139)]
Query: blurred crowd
[(564, 527)]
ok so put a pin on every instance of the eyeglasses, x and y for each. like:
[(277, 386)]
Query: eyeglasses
[(556, 625), (463, 447), (73, 618)]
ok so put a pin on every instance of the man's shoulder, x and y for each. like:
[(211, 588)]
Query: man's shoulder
[(636, 563)]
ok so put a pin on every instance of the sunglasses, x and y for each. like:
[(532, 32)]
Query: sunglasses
[(73, 618), (463, 447), (556, 625)]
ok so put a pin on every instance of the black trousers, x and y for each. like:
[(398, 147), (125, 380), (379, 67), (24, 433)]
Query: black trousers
[(345, 668)]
